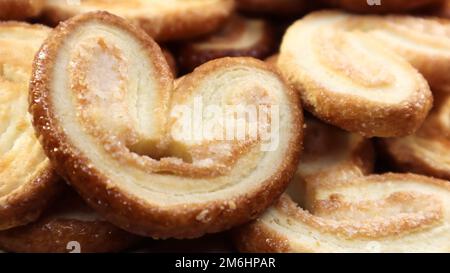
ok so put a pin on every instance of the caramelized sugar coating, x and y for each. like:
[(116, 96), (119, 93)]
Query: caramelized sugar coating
[(136, 165)]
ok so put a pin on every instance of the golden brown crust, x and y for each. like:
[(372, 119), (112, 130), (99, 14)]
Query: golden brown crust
[(28, 182), (239, 37), (425, 151), (126, 209), (341, 82), (343, 222), (386, 6), (20, 9), (162, 21), (68, 222), (171, 61), (272, 7)]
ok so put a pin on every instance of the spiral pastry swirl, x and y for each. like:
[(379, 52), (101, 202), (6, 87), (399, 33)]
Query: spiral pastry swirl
[(27, 181), (349, 78), (162, 19), (425, 151), (349, 211), (239, 37), (103, 102)]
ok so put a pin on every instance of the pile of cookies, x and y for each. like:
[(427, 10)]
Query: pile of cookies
[(350, 151)]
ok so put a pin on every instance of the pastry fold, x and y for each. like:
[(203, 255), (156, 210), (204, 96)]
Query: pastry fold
[(239, 37), (27, 180), (162, 19), (333, 205), (108, 114), (425, 152), (68, 226), (353, 71)]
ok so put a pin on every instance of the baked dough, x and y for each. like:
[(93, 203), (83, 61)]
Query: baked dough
[(135, 165), (20, 9), (333, 205), (425, 152), (162, 19), (239, 37), (273, 7), (171, 61), (347, 75), (69, 226), (27, 181), (385, 6)]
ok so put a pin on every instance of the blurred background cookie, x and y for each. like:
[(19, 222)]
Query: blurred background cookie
[(20, 9), (380, 6), (239, 37)]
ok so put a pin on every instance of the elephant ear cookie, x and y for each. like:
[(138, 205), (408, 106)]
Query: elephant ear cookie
[(20, 9), (163, 20), (333, 205), (380, 6), (272, 7), (426, 151), (239, 37), (348, 78), (68, 226), (136, 148), (27, 180)]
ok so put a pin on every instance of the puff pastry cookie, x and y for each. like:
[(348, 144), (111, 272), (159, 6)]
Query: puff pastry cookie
[(20, 9), (136, 165), (275, 7), (382, 6), (162, 19), (239, 37), (342, 210), (349, 77), (69, 226), (27, 181), (425, 152)]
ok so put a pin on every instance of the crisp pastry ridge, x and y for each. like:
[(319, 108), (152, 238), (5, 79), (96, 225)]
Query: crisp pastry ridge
[(272, 7), (27, 180), (195, 188), (67, 221), (20, 9), (386, 6), (162, 19), (240, 36), (347, 77), (425, 152), (343, 209)]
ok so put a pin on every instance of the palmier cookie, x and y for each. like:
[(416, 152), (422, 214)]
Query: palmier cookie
[(272, 7), (343, 210), (68, 226), (350, 79), (20, 9), (139, 165), (427, 151), (239, 37), (380, 6), (163, 20), (27, 180)]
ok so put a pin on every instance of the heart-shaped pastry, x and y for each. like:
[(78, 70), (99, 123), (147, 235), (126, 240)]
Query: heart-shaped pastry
[(27, 181), (20, 9), (68, 226), (377, 6), (154, 159), (425, 152), (350, 78), (239, 37), (331, 206), (162, 19)]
